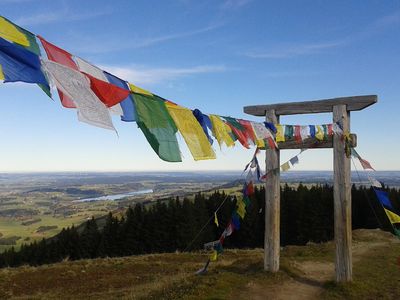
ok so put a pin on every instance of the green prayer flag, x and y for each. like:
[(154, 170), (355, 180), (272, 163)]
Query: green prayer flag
[(235, 123), (157, 125), (397, 232), (288, 132)]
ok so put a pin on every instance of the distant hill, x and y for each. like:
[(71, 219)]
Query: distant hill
[(306, 273)]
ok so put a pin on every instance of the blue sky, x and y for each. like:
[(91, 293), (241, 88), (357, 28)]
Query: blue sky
[(217, 56)]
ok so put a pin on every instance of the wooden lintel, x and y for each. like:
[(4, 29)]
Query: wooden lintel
[(309, 107), (313, 143)]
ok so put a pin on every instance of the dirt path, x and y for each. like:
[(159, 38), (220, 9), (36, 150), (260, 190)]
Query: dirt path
[(309, 285)]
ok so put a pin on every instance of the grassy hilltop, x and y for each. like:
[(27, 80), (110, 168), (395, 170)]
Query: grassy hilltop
[(306, 273)]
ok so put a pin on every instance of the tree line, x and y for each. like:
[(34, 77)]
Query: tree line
[(171, 225)]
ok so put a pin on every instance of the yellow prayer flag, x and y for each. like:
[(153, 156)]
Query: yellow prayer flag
[(138, 90), (280, 137), (214, 256), (320, 133), (221, 131), (285, 167), (192, 132), (216, 219), (1, 73), (11, 33), (241, 208), (393, 218)]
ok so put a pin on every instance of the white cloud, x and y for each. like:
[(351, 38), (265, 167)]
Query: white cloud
[(287, 51), (142, 75), (234, 4), (53, 17)]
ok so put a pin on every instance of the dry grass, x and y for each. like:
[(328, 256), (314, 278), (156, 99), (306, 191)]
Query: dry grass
[(234, 276)]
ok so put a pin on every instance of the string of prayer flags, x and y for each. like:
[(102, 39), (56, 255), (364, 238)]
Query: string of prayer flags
[(238, 130), (76, 86), (19, 64), (192, 132), (158, 126)]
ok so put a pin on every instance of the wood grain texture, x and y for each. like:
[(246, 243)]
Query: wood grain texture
[(342, 199), (272, 205), (312, 143), (316, 106)]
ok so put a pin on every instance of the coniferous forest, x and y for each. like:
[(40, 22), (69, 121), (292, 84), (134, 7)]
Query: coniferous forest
[(171, 225)]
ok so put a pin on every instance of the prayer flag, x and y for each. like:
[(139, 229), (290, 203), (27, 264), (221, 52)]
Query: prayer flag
[(108, 93), (270, 126), (137, 90), (88, 68), (241, 208), (76, 86), (330, 129), (127, 105), (204, 122), (248, 131), (62, 57), (365, 164), (383, 198), (336, 128), (279, 133), (228, 230), (312, 131), (235, 221), (221, 131), (19, 64), (374, 182), (320, 134), (214, 256), (285, 167), (262, 134), (192, 132), (288, 132), (10, 32), (304, 132), (297, 133), (157, 126), (393, 218), (294, 160), (238, 131), (216, 219)]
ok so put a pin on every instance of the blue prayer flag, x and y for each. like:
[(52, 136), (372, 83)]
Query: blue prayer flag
[(20, 64), (312, 131), (294, 160), (127, 105), (383, 198), (270, 126), (205, 123), (235, 221)]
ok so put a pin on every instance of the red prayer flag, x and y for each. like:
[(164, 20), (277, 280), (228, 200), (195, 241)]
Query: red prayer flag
[(248, 130), (297, 134), (108, 93), (365, 164), (240, 136), (330, 129), (62, 57), (250, 189)]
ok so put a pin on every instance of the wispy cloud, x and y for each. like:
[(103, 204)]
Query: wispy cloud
[(63, 16), (83, 44), (234, 4), (143, 75), (287, 51), (293, 50)]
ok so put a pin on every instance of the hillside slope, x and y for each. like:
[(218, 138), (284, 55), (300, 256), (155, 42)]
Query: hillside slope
[(306, 273)]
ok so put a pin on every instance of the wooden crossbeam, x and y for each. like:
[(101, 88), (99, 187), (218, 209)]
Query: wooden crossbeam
[(310, 107), (313, 143)]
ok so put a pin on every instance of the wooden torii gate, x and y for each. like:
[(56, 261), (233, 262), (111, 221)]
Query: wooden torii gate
[(341, 108)]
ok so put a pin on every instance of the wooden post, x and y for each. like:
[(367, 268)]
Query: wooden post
[(272, 205), (342, 198)]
